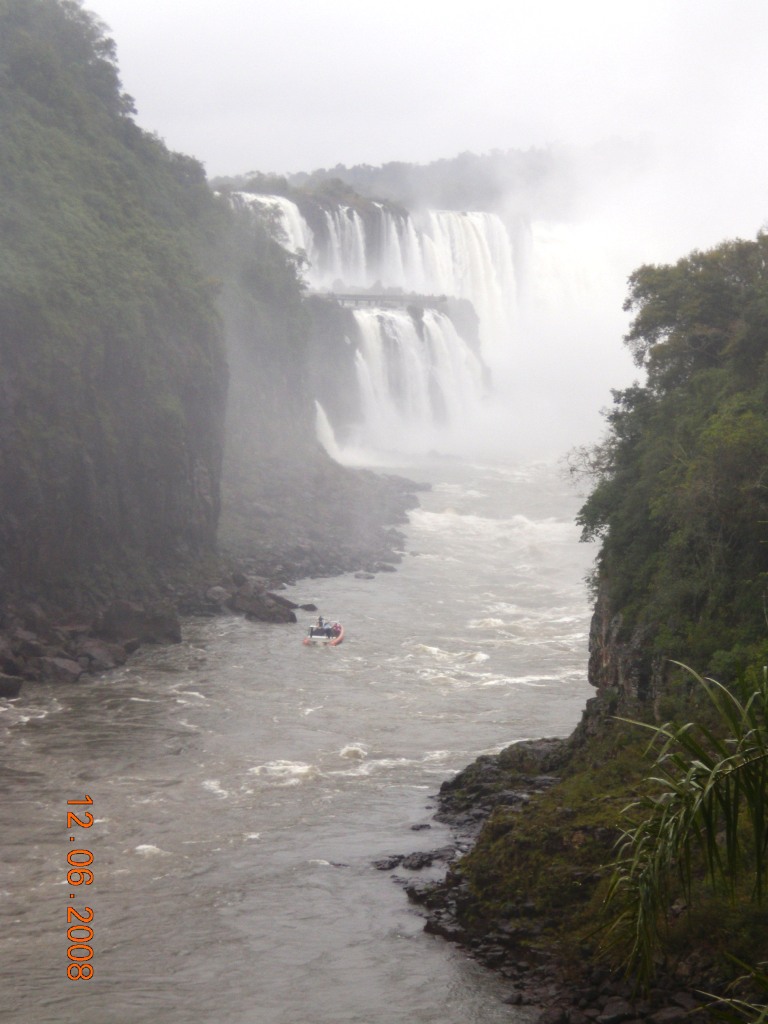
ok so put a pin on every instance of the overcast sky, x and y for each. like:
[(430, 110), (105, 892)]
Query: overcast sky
[(294, 85)]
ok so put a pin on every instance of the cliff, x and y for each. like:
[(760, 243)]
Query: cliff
[(679, 506), (154, 347), (114, 372)]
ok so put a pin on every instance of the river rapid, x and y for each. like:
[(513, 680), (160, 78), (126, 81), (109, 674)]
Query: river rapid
[(242, 783)]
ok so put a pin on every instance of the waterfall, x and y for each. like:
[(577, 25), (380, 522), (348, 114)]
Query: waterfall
[(541, 292), (437, 252), (325, 432), (344, 259), (418, 379), (470, 255), (283, 218)]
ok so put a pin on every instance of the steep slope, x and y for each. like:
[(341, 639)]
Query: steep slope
[(113, 370), (152, 341), (680, 502)]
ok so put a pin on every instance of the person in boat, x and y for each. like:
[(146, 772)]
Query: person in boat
[(322, 628)]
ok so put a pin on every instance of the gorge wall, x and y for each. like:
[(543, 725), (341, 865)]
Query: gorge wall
[(114, 374), (154, 346)]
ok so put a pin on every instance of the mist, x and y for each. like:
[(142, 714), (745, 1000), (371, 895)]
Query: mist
[(639, 129)]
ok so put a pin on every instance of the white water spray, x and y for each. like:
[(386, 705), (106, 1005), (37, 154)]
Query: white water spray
[(417, 380), (546, 302)]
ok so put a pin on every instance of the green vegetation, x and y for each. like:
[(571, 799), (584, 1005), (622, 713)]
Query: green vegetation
[(112, 350), (703, 833), (128, 294), (652, 857), (681, 502)]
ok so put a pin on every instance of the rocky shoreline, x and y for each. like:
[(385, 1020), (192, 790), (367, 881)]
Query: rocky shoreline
[(344, 523), (558, 993)]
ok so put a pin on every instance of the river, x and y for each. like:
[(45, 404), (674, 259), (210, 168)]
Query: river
[(242, 783)]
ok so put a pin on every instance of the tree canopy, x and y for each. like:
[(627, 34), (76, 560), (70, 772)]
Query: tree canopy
[(681, 498)]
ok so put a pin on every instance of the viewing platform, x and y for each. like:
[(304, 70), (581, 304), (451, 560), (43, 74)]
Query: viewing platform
[(368, 300)]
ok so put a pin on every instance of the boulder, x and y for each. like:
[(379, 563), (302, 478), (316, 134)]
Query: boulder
[(263, 608), (9, 685), (101, 656), (10, 664), (59, 670)]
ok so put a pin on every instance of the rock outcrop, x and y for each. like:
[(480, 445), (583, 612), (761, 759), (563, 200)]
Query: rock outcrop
[(619, 661)]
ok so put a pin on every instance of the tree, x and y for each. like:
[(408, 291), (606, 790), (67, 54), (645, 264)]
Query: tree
[(680, 501)]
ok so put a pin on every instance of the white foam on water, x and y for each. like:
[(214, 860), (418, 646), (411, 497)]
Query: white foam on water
[(215, 787), (285, 773), (148, 850), (354, 751)]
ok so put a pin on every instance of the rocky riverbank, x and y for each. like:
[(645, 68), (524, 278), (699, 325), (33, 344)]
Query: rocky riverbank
[(287, 525), (518, 940)]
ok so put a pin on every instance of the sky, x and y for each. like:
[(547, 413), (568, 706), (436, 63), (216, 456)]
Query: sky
[(303, 84)]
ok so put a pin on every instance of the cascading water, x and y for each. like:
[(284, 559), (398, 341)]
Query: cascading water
[(417, 378), (469, 255), (547, 296), (437, 252), (284, 220)]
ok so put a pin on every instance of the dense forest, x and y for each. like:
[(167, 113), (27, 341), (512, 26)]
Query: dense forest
[(681, 499)]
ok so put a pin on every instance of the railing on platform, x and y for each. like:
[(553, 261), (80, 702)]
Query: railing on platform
[(356, 300)]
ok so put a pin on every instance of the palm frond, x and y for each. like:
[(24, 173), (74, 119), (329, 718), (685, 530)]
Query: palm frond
[(711, 803)]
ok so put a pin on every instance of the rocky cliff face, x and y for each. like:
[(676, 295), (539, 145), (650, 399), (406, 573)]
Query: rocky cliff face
[(149, 338), (113, 367), (620, 666)]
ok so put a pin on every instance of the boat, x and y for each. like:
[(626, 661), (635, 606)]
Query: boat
[(330, 633)]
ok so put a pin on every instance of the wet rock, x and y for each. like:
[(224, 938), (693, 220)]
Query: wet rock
[(449, 930), (10, 663), (59, 670), (28, 645), (426, 858), (10, 686), (388, 863), (615, 1011), (669, 1015), (264, 608), (417, 861), (217, 595), (553, 1015), (101, 656), (282, 601)]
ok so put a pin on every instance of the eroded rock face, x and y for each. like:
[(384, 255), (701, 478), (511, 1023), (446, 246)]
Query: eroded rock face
[(619, 659)]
